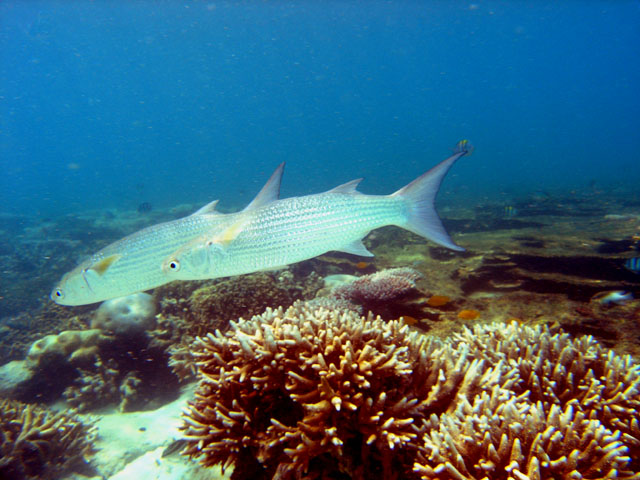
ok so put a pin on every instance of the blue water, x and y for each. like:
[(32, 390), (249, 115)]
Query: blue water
[(108, 104)]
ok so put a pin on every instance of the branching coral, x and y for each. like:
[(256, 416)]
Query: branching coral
[(94, 388), (36, 443), (316, 393), (557, 369), (319, 391), (504, 436)]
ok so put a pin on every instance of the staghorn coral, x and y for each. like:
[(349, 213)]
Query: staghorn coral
[(504, 436), (36, 443), (316, 393), (185, 314), (320, 391), (557, 369)]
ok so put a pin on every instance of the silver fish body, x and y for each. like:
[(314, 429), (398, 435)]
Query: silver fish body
[(269, 233), (132, 264), (287, 231)]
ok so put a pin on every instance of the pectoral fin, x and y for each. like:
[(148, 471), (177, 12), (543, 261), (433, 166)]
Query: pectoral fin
[(229, 234), (103, 265)]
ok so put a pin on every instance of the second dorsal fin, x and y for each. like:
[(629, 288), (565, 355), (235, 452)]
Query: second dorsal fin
[(349, 187)]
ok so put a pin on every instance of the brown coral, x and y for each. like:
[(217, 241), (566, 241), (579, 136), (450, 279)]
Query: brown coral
[(504, 436), (319, 391), (36, 443), (557, 369), (316, 393), (94, 388)]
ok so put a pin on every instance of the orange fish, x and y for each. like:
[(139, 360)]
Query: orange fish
[(468, 314), (362, 265), (438, 300), (409, 320)]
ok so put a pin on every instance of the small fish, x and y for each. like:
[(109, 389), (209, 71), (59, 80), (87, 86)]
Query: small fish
[(510, 212), (145, 207), (617, 297), (633, 264), (273, 233)]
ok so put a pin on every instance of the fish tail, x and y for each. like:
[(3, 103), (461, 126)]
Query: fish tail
[(420, 196)]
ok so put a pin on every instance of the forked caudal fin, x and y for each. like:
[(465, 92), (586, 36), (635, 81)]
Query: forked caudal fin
[(421, 194)]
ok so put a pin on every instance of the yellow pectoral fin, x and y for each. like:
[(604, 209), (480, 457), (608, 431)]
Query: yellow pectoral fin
[(230, 233), (104, 264)]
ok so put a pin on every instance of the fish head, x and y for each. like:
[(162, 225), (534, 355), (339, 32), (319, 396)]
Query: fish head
[(89, 282), (73, 289)]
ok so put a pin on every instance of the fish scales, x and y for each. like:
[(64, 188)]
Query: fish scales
[(295, 229), (141, 253), (281, 232), (268, 233)]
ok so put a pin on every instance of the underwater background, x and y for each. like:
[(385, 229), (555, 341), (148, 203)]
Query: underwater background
[(110, 104), (519, 354)]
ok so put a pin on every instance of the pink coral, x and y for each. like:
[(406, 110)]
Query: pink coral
[(384, 286)]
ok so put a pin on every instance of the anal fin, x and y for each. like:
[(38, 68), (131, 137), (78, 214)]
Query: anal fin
[(356, 248)]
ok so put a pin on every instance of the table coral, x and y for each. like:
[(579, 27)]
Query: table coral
[(36, 443)]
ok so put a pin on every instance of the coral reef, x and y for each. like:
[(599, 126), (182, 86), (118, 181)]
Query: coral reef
[(130, 315), (36, 443), (94, 388), (502, 436), (387, 293), (73, 346), (316, 393), (213, 304), (320, 391), (19, 331), (556, 369)]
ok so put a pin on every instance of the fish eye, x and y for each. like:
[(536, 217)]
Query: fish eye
[(174, 265), (58, 293)]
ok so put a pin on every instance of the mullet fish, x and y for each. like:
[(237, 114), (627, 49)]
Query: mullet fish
[(133, 264), (273, 233), (269, 233)]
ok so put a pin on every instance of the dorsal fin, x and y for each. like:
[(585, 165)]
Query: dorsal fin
[(270, 192), (208, 208), (349, 187)]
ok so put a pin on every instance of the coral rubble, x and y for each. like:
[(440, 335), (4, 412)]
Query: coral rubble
[(36, 443), (316, 393)]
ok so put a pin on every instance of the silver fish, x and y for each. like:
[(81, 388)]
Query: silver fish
[(275, 233), (133, 264)]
